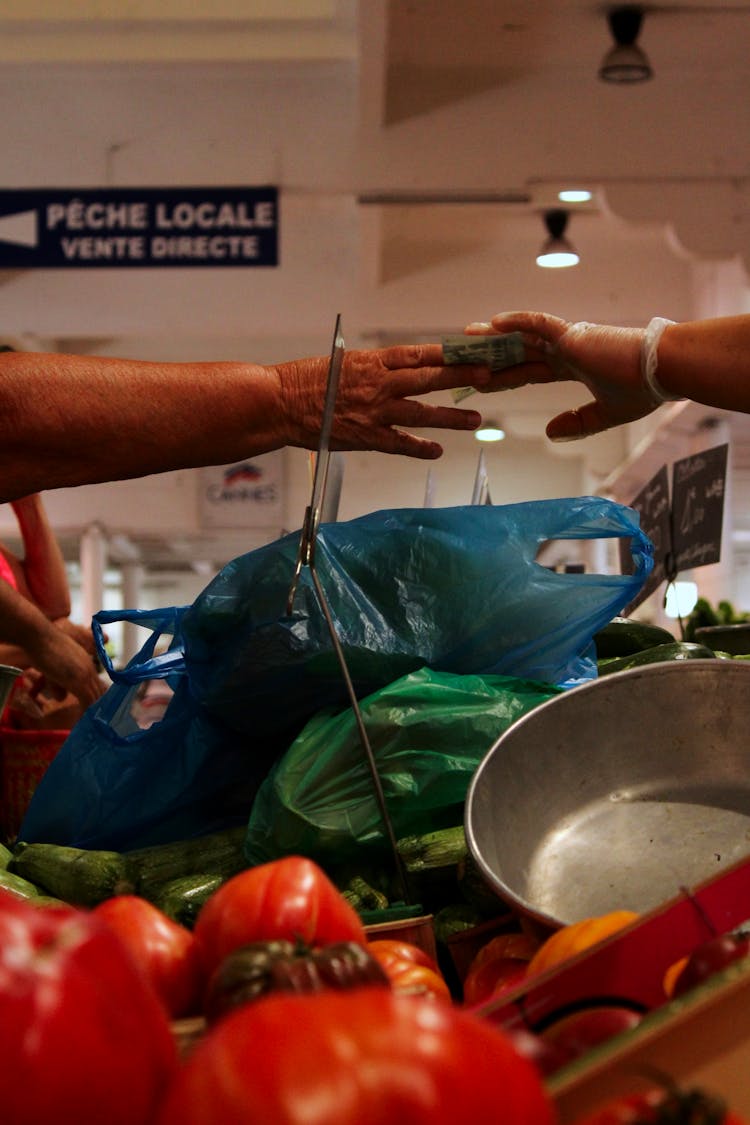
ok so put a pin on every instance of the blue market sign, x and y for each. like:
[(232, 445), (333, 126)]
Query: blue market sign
[(141, 227)]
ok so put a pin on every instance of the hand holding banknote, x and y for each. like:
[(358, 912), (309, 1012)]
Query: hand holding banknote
[(610, 361)]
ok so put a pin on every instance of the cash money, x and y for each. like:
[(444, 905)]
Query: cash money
[(496, 352)]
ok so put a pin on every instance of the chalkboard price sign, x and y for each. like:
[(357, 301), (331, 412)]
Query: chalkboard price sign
[(686, 533), (652, 504), (698, 487)]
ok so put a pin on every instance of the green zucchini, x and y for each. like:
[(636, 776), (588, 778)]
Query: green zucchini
[(181, 899), (76, 875), (219, 853), (622, 637), (456, 918), (443, 848), (17, 886), (362, 896), (678, 650), (5, 854)]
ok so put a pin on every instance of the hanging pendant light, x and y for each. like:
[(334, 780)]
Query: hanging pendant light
[(625, 63), (557, 252)]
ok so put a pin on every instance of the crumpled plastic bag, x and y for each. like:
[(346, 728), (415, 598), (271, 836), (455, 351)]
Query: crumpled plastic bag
[(456, 589), (116, 785), (428, 732)]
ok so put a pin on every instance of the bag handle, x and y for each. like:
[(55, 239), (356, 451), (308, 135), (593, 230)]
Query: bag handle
[(144, 665)]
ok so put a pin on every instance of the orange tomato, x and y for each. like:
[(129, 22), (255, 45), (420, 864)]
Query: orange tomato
[(497, 964), (671, 975), (574, 938), (410, 969)]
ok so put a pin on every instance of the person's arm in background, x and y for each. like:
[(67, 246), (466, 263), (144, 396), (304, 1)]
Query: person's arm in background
[(43, 576), (629, 371), (29, 639), (70, 420)]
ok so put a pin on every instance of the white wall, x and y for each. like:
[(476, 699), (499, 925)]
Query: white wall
[(407, 272)]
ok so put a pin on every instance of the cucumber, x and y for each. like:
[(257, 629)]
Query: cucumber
[(219, 853), (76, 875), (442, 848), (17, 886), (622, 636), (678, 650), (181, 899), (362, 896), (456, 918)]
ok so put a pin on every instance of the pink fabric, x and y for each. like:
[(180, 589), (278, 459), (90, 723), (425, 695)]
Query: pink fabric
[(6, 572)]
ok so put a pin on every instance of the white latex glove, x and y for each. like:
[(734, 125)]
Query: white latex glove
[(612, 362)]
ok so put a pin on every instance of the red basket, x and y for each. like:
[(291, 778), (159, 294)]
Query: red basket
[(24, 757)]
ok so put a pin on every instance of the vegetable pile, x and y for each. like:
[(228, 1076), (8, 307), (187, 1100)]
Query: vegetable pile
[(175, 984), (331, 1031)]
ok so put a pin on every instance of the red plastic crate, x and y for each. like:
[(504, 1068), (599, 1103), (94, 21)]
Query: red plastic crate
[(24, 757)]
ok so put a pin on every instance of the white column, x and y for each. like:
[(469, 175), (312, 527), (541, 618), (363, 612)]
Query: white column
[(132, 581), (93, 553)]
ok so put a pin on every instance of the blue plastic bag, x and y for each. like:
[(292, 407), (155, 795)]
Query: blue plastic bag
[(115, 786), (454, 589)]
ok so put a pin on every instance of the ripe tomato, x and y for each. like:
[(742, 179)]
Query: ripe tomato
[(708, 958), (166, 951), (404, 950), (83, 1038), (572, 939), (500, 962), (410, 969), (252, 971), (288, 898), (366, 1057)]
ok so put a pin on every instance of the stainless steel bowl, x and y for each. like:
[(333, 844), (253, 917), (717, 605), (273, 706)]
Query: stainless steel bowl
[(616, 794)]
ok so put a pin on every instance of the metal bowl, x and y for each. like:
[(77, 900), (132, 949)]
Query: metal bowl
[(618, 793)]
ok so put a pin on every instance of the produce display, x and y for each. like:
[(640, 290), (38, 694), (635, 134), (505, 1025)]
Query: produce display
[(297, 1012)]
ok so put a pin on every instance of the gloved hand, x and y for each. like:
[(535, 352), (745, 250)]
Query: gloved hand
[(612, 362)]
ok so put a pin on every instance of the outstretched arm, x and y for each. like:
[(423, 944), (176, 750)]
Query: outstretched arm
[(706, 360), (69, 420)]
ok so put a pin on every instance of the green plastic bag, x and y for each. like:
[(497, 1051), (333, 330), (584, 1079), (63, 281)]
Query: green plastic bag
[(428, 731)]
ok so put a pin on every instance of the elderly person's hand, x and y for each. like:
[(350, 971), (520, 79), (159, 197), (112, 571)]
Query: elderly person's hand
[(374, 407), (609, 361)]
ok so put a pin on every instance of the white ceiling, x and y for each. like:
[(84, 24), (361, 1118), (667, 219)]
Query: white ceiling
[(471, 114)]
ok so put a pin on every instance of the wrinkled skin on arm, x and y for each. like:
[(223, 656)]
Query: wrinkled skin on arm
[(69, 420)]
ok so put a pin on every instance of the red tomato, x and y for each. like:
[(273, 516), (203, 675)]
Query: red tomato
[(651, 1106), (499, 962), (366, 1057), (83, 1039), (288, 898), (403, 950), (166, 951)]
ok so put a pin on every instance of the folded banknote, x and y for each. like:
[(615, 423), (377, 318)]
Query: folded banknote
[(496, 352)]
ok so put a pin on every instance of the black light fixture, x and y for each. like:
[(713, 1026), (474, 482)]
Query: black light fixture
[(557, 252), (625, 62)]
